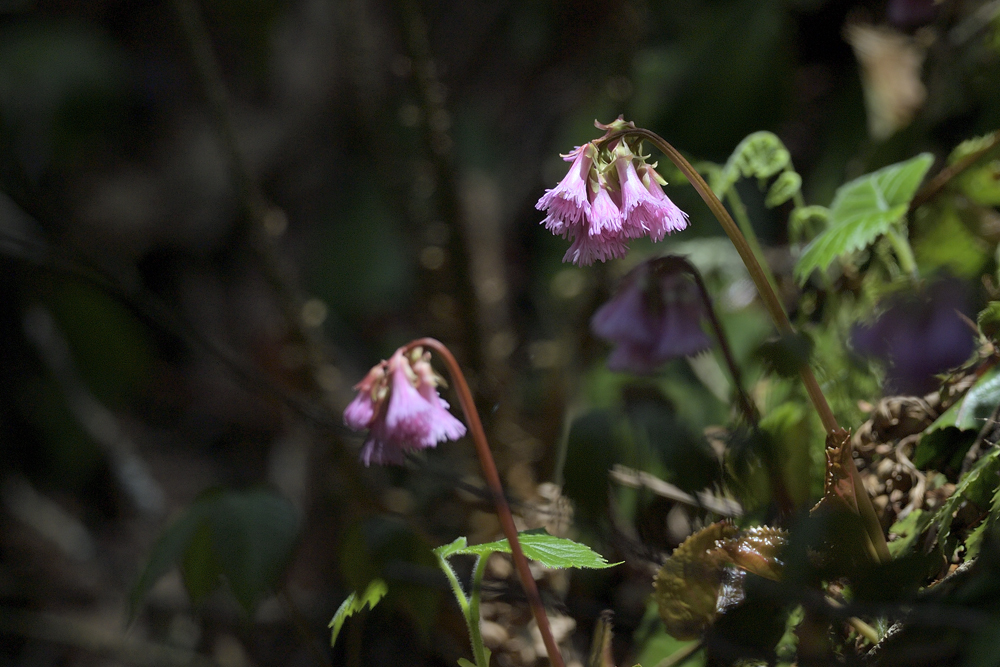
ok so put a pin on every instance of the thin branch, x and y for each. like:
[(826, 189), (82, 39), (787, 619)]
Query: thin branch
[(702, 499)]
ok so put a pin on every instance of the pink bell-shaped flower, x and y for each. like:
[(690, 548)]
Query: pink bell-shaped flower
[(609, 196), (399, 404), (654, 317)]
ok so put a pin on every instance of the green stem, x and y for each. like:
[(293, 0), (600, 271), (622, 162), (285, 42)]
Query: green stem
[(489, 468), (469, 606), (743, 220), (798, 201), (456, 586), (904, 253), (771, 303), (475, 631)]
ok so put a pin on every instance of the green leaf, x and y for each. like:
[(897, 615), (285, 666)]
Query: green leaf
[(981, 182), (254, 534), (448, 550), (943, 240), (168, 551), (989, 320), (760, 155), (786, 186), (246, 536), (862, 210), (907, 531), (979, 481), (200, 567), (807, 222), (375, 591), (550, 551)]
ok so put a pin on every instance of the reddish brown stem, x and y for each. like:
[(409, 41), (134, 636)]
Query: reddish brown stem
[(496, 489)]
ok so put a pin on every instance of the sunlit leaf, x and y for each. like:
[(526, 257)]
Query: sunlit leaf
[(980, 481), (550, 551), (907, 531), (862, 210), (687, 586), (981, 182), (353, 604), (757, 550)]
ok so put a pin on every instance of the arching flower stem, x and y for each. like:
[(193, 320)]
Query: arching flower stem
[(496, 489), (774, 307)]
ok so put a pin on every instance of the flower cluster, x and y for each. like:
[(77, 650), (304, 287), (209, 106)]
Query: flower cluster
[(610, 195), (399, 404), (654, 317)]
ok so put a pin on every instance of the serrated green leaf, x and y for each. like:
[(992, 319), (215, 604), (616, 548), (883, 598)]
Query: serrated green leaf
[(989, 320), (862, 210), (760, 155), (550, 551), (981, 182), (375, 591), (979, 403), (981, 479), (455, 547), (908, 530), (786, 186)]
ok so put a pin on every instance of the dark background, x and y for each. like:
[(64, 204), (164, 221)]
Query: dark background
[(214, 218)]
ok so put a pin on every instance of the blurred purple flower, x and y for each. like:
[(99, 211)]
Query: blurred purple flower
[(654, 317), (399, 404), (609, 196), (919, 336), (910, 13)]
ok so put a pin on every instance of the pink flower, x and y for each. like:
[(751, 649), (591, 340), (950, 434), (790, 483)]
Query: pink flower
[(568, 203), (654, 317), (669, 218), (609, 196), (399, 404)]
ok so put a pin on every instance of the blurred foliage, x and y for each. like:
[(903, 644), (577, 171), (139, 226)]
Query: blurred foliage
[(223, 265)]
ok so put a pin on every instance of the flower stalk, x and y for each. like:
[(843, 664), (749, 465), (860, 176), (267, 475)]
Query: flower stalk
[(776, 310), (499, 498)]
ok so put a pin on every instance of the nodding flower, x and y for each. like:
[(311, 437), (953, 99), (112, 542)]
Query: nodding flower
[(399, 404), (610, 195), (654, 317)]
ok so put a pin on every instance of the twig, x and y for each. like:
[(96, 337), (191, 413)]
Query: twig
[(703, 499)]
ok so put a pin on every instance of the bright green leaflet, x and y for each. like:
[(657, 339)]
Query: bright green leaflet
[(547, 549), (863, 210), (375, 591)]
